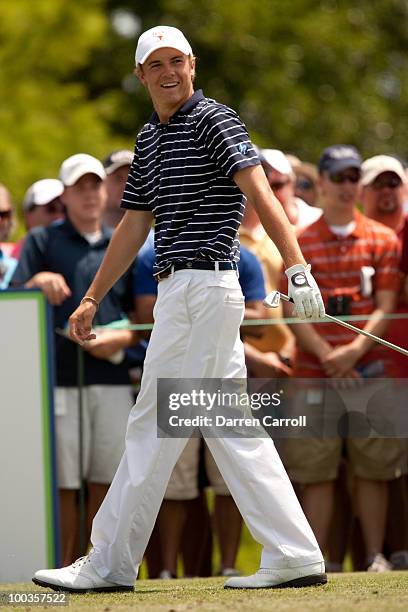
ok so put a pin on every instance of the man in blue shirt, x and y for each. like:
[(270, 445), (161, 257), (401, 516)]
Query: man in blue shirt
[(193, 166), (61, 259)]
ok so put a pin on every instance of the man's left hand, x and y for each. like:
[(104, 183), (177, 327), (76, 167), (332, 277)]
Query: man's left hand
[(305, 293)]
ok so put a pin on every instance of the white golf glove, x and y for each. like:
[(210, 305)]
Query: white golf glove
[(305, 293)]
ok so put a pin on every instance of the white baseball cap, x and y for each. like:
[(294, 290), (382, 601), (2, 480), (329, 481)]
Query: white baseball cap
[(158, 38), (277, 160), (77, 165), (42, 192), (117, 159), (374, 166)]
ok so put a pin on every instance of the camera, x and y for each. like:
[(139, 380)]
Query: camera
[(339, 305)]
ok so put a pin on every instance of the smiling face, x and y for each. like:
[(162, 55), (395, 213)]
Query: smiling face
[(168, 76), (340, 191)]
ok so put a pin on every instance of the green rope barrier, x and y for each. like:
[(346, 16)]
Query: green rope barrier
[(124, 323)]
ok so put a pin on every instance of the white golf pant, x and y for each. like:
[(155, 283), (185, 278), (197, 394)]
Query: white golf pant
[(196, 335)]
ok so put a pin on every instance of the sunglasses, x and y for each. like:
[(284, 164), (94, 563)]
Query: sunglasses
[(392, 182), (277, 185), (304, 183), (343, 177), (5, 214)]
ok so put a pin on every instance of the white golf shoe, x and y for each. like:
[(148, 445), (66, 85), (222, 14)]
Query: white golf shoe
[(268, 578), (80, 577)]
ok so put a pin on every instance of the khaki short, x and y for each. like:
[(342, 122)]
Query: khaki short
[(183, 483), (317, 459), (106, 410)]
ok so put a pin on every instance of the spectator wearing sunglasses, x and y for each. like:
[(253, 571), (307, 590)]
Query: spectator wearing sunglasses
[(282, 181), (384, 182), (338, 246), (7, 262), (41, 206)]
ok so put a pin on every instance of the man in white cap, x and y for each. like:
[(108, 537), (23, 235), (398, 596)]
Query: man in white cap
[(193, 163), (61, 259), (384, 182), (282, 181), (384, 191), (42, 205)]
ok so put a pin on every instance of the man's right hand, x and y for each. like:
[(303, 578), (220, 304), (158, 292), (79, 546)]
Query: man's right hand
[(80, 323), (53, 286)]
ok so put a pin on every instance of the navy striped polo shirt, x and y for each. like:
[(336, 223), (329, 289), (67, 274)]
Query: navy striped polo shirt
[(182, 171)]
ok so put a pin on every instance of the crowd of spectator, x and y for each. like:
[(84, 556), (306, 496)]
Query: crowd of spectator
[(351, 220)]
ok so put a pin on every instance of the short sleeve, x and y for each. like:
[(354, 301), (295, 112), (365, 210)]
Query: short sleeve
[(225, 138), (32, 257), (251, 277), (133, 197), (387, 273)]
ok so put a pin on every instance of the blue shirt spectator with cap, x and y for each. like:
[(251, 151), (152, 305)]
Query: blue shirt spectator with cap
[(61, 260)]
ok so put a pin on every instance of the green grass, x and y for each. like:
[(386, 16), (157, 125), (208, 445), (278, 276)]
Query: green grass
[(357, 592)]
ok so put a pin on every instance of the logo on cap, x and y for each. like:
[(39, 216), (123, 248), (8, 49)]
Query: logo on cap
[(342, 153), (158, 35)]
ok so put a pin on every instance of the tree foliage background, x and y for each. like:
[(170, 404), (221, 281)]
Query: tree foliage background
[(303, 74)]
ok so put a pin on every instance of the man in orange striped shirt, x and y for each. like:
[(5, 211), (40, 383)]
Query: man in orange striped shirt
[(355, 262)]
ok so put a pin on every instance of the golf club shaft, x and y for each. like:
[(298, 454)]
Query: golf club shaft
[(390, 345)]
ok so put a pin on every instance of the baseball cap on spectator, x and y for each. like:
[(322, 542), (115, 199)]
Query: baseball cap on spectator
[(277, 160), (77, 165), (158, 38), (374, 166), (42, 192), (117, 159), (339, 157)]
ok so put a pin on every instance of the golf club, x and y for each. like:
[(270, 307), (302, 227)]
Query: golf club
[(273, 299)]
